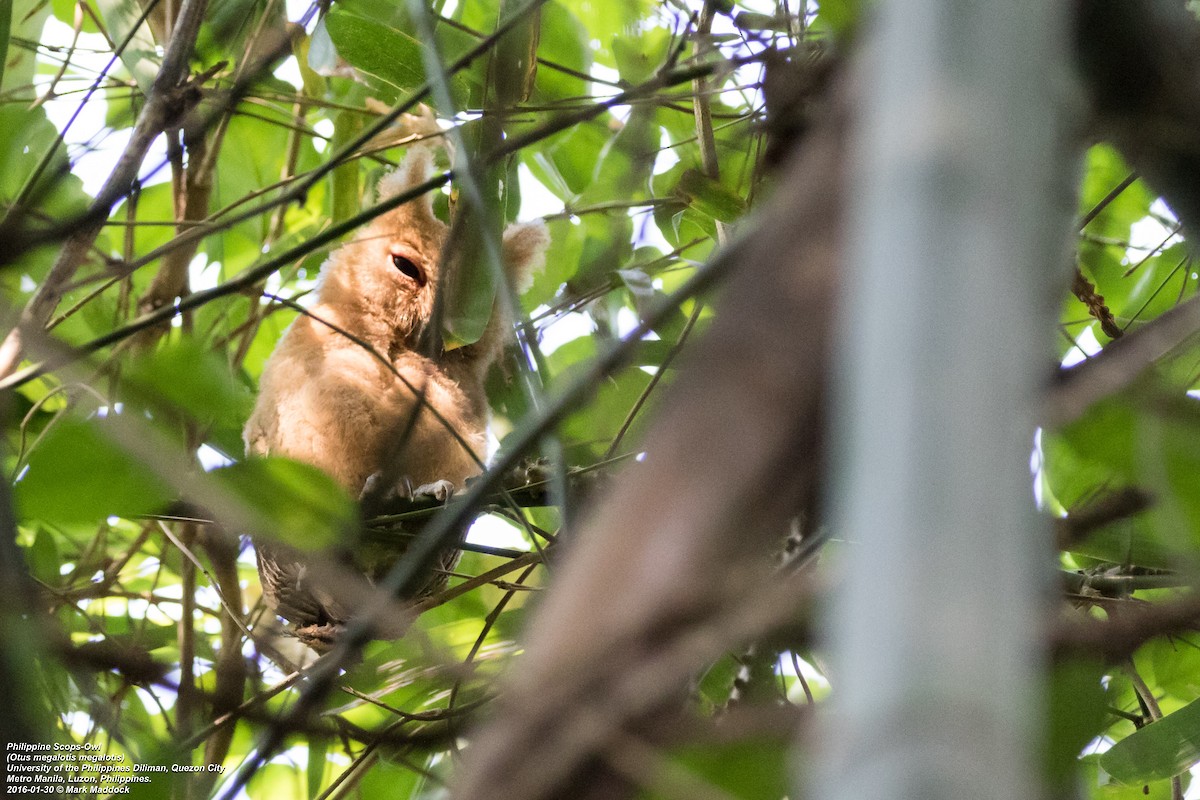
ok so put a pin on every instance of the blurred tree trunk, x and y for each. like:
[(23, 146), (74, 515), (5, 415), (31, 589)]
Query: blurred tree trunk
[(961, 203)]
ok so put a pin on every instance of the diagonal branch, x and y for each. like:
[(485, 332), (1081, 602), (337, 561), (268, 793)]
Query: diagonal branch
[(736, 452), (170, 98)]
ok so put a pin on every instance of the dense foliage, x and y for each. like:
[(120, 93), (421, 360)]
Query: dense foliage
[(638, 130)]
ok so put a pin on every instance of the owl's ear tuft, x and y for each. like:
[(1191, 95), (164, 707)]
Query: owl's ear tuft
[(415, 169), (525, 246)]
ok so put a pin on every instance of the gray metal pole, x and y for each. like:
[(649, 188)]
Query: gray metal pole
[(960, 208)]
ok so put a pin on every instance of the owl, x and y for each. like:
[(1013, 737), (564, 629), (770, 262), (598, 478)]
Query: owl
[(348, 391)]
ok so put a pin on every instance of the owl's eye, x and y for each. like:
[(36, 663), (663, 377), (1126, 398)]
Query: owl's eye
[(409, 269)]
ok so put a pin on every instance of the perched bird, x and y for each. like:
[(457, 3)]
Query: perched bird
[(346, 390)]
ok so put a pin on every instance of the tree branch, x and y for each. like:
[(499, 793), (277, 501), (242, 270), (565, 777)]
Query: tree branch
[(737, 449), (170, 98)]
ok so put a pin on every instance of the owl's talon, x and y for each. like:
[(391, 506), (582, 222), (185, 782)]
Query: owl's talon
[(376, 494), (439, 490), (370, 486)]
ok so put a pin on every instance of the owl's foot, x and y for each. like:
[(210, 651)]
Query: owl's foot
[(439, 490), (319, 637), (374, 490)]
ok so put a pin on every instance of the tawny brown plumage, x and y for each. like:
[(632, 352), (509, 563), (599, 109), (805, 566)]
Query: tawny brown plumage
[(327, 400)]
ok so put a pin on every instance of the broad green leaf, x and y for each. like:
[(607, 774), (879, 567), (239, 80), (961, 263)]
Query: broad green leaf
[(563, 42), (840, 17), (1105, 171), (44, 559), (376, 50), (715, 685), (514, 64), (304, 507), (141, 56), (252, 158), (390, 59), (23, 20), (1158, 751), (1131, 541), (1075, 714), (710, 197), (231, 25), (391, 779), (58, 193), (276, 780), (1103, 786), (749, 769), (1136, 289), (1142, 439), (566, 245), (78, 475), (639, 58), (608, 21), (627, 161), (1176, 665), (318, 752), (185, 376), (6, 9), (65, 11), (576, 152), (590, 431)]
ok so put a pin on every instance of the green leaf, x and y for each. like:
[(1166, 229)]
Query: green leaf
[(274, 781), (78, 475), (314, 83), (840, 16), (514, 57), (470, 289), (609, 21), (749, 769), (1105, 171), (639, 58), (347, 196), (140, 57), (44, 559), (1160, 750), (186, 376), (300, 504), (1104, 787), (1176, 665), (575, 153), (627, 161), (6, 9), (318, 751), (590, 431), (710, 197), (390, 59), (26, 21), (1076, 714), (564, 42), (716, 683), (391, 779), (27, 136), (1142, 438)]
